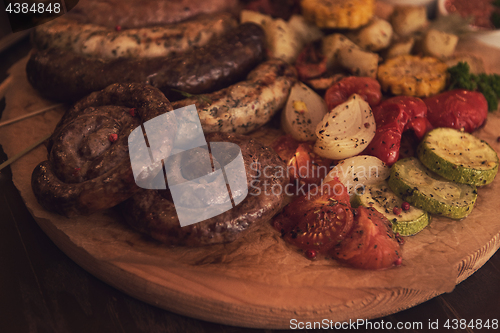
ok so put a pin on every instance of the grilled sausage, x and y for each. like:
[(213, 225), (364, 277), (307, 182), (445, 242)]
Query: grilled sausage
[(247, 105), (106, 43), (153, 212), (216, 66), (66, 76), (145, 13), (89, 166)]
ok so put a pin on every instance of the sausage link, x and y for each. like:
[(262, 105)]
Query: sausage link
[(66, 76), (153, 212), (145, 13), (106, 43), (211, 68), (89, 165), (247, 105)]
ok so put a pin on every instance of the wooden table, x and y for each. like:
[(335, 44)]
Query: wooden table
[(42, 290)]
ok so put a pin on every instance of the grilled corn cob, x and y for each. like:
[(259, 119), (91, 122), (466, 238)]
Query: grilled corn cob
[(346, 14), (412, 75)]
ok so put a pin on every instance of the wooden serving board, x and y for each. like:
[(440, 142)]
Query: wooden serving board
[(257, 281)]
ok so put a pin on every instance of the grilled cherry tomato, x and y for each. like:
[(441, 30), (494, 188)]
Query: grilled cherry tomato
[(394, 116), (276, 8), (457, 109), (366, 87), (371, 244), (303, 165), (317, 221), (310, 63), (285, 146)]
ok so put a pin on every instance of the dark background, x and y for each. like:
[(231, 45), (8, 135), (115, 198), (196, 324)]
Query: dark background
[(42, 290)]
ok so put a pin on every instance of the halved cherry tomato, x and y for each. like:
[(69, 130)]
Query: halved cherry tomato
[(310, 63), (317, 221), (285, 146), (281, 8), (366, 87), (303, 165), (306, 167), (371, 244)]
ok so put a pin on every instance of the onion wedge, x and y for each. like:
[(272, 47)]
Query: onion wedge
[(346, 130), (358, 171), (303, 111)]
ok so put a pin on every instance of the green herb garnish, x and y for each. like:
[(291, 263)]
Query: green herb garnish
[(487, 84), (201, 98)]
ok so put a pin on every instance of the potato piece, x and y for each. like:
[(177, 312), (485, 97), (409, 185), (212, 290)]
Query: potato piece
[(400, 47), (358, 61), (331, 45), (439, 44), (305, 31), (408, 19), (254, 17), (282, 41), (375, 36)]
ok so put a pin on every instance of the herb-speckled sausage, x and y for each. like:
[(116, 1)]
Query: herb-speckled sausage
[(247, 105), (108, 43)]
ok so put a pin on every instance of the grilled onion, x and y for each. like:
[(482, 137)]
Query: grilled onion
[(346, 130), (303, 111), (358, 171)]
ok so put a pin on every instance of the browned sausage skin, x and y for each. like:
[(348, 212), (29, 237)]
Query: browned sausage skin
[(153, 213), (215, 66), (89, 166), (135, 14), (66, 76)]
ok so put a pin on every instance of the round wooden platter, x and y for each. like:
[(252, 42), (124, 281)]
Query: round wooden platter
[(257, 281)]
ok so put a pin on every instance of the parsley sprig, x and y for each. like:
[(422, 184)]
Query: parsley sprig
[(487, 84)]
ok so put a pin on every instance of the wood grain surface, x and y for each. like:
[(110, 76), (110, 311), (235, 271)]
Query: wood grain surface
[(258, 282)]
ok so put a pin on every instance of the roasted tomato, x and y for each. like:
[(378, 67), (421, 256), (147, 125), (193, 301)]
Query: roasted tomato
[(310, 63), (285, 146), (371, 244), (457, 109), (306, 167), (276, 8), (366, 87), (303, 165), (393, 117), (317, 221)]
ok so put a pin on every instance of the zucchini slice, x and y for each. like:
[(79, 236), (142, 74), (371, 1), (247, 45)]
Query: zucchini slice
[(380, 197), (458, 156), (414, 183)]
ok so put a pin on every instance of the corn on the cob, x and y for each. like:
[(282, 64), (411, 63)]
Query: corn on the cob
[(346, 14), (413, 75)]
